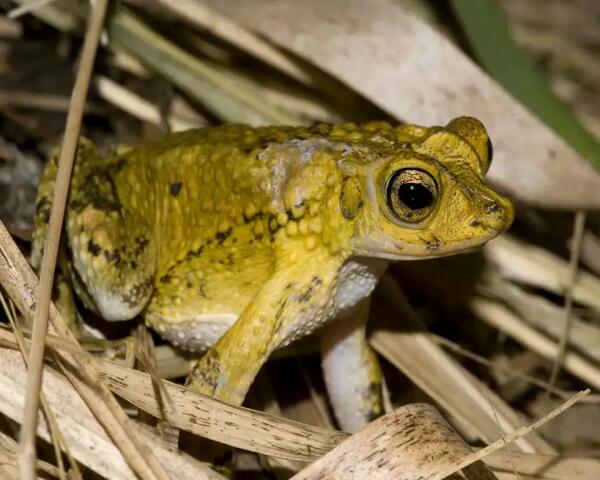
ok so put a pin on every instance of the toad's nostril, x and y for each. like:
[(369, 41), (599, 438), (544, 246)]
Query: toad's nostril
[(492, 207)]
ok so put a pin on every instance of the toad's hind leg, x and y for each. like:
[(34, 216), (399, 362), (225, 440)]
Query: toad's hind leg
[(351, 370), (113, 253)]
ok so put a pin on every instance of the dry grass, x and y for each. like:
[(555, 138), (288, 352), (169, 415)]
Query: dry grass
[(529, 305)]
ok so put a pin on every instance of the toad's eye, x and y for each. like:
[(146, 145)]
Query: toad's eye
[(411, 194), (490, 155)]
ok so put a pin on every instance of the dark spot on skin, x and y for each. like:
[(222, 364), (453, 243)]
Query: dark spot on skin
[(94, 248), (165, 279), (114, 256), (45, 214), (220, 237), (43, 208), (175, 188), (118, 166), (279, 313), (141, 244), (307, 292), (434, 244), (321, 129), (133, 265), (207, 371), (137, 292), (298, 215), (97, 190), (202, 289), (252, 218), (193, 254)]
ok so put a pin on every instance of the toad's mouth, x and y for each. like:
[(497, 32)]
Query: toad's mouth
[(427, 250)]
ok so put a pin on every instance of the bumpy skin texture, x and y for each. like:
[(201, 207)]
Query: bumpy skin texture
[(240, 240)]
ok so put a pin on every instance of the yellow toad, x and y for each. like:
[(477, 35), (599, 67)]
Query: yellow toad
[(236, 240)]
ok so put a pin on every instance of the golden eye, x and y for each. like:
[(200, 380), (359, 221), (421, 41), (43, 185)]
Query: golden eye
[(412, 194)]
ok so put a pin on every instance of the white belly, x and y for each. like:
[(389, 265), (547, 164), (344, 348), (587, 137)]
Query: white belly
[(357, 281)]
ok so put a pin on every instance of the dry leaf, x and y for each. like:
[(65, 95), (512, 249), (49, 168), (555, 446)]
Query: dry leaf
[(412, 71), (413, 442)]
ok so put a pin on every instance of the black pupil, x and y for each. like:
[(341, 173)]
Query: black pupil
[(490, 151), (415, 195)]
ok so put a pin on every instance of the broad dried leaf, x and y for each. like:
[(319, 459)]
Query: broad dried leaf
[(412, 71), (413, 442)]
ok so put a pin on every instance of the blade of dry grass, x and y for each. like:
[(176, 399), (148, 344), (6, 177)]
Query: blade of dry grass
[(520, 432), (210, 418), (509, 371), (10, 28), (578, 228), (502, 318), (228, 95), (28, 8), (42, 101), (409, 65), (27, 450), (19, 282), (8, 461), (533, 265), (206, 18), (137, 106), (85, 436), (543, 315), (59, 18), (543, 467), (231, 424), (57, 437)]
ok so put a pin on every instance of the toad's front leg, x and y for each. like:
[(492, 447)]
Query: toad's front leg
[(351, 370), (295, 300)]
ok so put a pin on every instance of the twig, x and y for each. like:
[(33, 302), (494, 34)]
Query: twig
[(521, 432), (41, 101), (28, 8), (578, 228), (27, 450)]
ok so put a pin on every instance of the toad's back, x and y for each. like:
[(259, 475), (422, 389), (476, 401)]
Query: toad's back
[(216, 193)]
